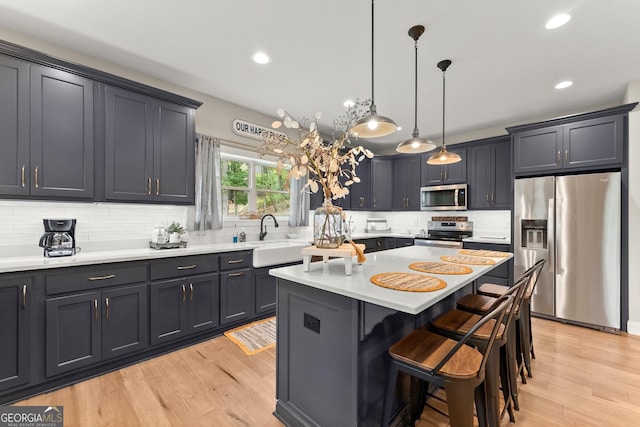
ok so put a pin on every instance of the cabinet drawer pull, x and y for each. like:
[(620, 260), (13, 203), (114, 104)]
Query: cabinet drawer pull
[(184, 293), (191, 292), (493, 198), (22, 177), (95, 309), (109, 276), (24, 297), (37, 184), (558, 158), (487, 198), (157, 187), (566, 155), (236, 274), (187, 267), (445, 175), (235, 261), (149, 185), (106, 308)]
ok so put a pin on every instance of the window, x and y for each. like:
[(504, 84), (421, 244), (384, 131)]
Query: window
[(253, 186)]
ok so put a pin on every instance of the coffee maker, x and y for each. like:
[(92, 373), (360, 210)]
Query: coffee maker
[(59, 237)]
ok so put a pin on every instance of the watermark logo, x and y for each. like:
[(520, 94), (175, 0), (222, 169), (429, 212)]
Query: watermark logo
[(31, 416)]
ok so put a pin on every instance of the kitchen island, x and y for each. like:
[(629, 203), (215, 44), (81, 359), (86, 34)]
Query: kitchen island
[(334, 331)]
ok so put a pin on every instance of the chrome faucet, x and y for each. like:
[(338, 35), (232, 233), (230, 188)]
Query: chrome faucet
[(263, 231)]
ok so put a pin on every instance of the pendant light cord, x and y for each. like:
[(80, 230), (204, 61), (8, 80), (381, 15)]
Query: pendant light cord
[(443, 98), (372, 50), (415, 96)]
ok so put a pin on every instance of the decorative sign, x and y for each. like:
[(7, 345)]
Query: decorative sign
[(252, 130)]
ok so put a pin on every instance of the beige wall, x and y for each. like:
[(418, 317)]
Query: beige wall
[(633, 95)]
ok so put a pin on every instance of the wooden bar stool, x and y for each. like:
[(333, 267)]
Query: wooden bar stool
[(524, 326), (447, 363), (455, 324)]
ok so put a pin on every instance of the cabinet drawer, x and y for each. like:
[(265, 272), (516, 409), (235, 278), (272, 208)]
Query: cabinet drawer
[(97, 276), (234, 260), (183, 266)]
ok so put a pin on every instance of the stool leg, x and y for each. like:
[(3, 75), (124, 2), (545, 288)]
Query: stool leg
[(525, 344), (492, 387), (460, 400), (506, 382), (481, 406), (513, 364), (389, 393), (520, 365)]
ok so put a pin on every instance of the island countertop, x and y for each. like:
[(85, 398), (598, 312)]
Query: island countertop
[(331, 277)]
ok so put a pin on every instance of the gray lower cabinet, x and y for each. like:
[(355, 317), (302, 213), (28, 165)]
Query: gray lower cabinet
[(502, 275), (183, 306), (236, 295), (149, 149), (265, 292), (83, 329), (17, 320)]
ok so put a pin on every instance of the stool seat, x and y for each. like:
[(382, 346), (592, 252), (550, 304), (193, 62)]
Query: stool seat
[(460, 322), (492, 290), (424, 349), (480, 304)]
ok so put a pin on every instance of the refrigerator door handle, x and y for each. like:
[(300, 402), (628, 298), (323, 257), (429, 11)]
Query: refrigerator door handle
[(551, 236)]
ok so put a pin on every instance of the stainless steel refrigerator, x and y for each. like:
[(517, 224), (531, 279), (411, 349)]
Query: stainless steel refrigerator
[(574, 222)]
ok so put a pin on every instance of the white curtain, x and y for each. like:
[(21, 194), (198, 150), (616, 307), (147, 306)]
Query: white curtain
[(298, 203), (208, 215)]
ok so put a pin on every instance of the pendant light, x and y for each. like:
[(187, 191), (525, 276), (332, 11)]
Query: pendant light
[(443, 157), (415, 144), (373, 125)]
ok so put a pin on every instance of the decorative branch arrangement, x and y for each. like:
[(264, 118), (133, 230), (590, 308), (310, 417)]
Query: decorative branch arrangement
[(331, 164)]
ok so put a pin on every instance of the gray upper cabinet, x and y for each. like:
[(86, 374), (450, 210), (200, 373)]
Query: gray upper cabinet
[(61, 134), (46, 117), (361, 192), (584, 142), (14, 122), (455, 173), (149, 149), (406, 183), (381, 185), (490, 175)]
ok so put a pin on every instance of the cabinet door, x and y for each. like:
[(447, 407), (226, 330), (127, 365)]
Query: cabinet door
[(406, 184), (381, 185), (480, 179), (168, 309), (204, 303), (236, 295), (537, 150), (173, 154), (430, 174), (361, 192), (14, 123), (125, 324), (128, 145), (72, 332), (265, 290), (454, 173), (61, 134), (595, 142), (501, 180), (16, 312)]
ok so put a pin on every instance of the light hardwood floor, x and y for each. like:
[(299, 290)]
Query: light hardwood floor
[(581, 377)]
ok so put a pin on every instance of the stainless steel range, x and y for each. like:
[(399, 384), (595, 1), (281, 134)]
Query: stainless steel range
[(445, 232)]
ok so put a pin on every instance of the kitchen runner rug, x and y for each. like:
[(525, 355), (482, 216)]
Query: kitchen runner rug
[(471, 260), (440, 268), (483, 252), (408, 282), (254, 337)]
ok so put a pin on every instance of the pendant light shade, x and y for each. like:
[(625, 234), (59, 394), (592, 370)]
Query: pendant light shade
[(373, 125), (443, 157), (415, 144)]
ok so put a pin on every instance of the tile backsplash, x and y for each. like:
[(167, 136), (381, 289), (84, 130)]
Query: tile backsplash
[(113, 225)]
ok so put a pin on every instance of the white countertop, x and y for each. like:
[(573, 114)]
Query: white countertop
[(331, 277), (26, 263), (488, 239)]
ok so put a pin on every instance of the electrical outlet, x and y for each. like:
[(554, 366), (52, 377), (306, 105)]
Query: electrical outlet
[(312, 323)]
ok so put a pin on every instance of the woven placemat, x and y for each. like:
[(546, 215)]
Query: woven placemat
[(483, 252), (408, 282), (440, 268), (471, 260)]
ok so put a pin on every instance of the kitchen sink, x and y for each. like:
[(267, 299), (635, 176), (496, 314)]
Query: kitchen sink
[(275, 252)]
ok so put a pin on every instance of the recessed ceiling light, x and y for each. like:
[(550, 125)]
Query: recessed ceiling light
[(348, 103), (563, 85), (557, 21), (261, 58)]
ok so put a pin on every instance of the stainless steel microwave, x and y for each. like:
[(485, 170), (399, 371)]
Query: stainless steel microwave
[(444, 198)]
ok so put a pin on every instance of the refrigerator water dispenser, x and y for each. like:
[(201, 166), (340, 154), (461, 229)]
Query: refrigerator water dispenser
[(534, 233)]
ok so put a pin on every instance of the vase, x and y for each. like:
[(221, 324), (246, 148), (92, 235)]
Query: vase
[(327, 226)]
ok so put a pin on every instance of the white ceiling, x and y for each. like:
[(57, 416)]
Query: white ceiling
[(505, 64)]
